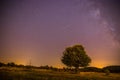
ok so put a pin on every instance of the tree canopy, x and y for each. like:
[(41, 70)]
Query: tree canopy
[(75, 56)]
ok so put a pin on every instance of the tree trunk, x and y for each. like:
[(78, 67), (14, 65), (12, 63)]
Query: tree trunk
[(76, 69)]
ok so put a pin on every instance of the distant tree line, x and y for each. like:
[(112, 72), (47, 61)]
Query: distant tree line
[(111, 69), (10, 64)]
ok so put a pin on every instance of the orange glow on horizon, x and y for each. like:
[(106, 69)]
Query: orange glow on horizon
[(99, 64), (20, 62)]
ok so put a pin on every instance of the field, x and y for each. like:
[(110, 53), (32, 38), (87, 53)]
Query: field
[(13, 73)]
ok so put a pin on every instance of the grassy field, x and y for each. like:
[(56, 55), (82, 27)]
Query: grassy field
[(13, 73)]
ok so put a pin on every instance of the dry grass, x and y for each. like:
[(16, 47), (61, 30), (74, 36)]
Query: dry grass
[(12, 73)]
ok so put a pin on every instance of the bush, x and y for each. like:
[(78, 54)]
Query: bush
[(11, 64), (113, 69), (107, 72), (91, 69), (2, 64)]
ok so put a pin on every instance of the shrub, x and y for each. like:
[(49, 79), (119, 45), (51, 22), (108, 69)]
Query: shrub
[(107, 72), (113, 69)]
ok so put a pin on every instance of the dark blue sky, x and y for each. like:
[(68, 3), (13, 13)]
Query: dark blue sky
[(39, 30)]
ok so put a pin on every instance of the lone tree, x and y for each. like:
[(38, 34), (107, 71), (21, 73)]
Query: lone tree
[(75, 56)]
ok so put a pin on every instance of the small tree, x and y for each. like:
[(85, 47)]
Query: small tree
[(75, 56)]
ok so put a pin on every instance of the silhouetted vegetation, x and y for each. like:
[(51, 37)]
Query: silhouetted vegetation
[(11, 64), (45, 67), (2, 64), (107, 72), (107, 69), (113, 69), (75, 57), (91, 69)]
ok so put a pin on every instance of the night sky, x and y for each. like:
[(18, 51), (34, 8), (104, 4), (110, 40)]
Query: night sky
[(40, 30)]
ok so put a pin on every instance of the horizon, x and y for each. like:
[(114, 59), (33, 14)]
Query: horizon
[(57, 66)]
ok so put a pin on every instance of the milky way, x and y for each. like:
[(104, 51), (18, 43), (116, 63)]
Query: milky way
[(110, 11)]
